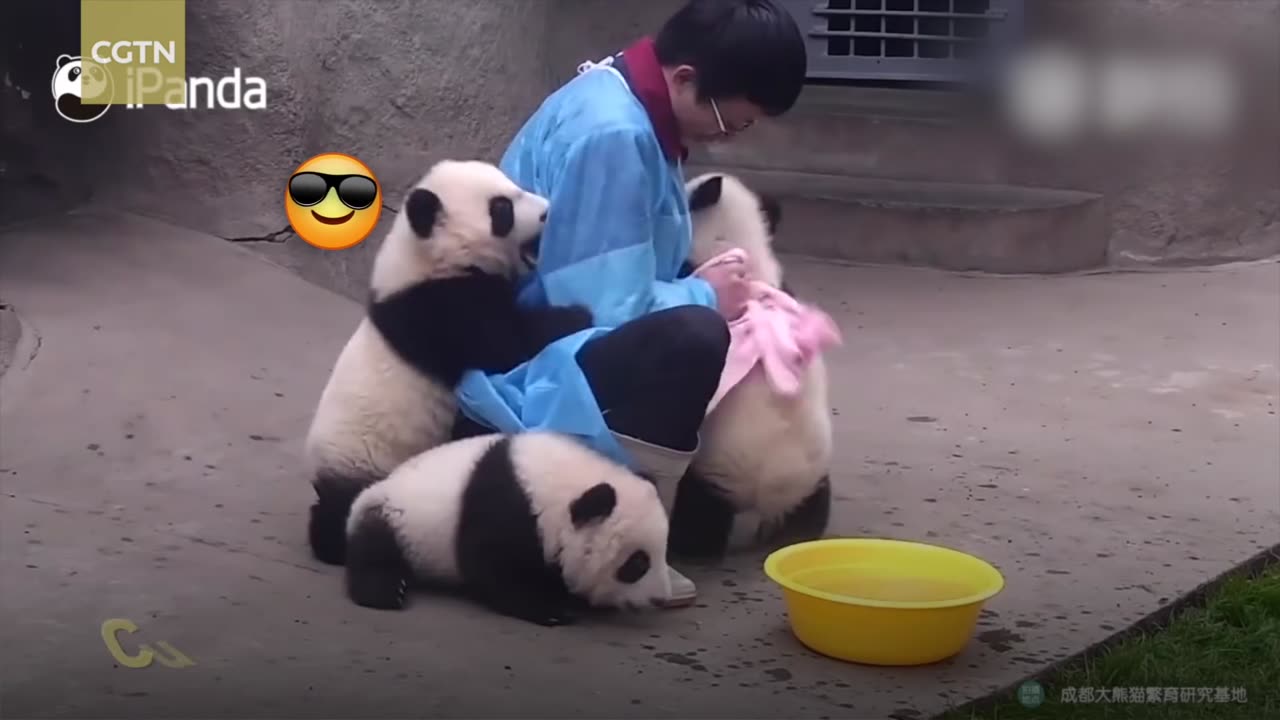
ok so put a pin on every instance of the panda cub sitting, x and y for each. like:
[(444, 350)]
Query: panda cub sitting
[(442, 301), (534, 526), (761, 473)]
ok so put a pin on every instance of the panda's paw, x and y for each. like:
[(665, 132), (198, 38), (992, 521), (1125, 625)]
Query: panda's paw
[(548, 324), (379, 591), (401, 591), (576, 318)]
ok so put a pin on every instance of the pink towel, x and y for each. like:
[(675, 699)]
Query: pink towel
[(775, 330)]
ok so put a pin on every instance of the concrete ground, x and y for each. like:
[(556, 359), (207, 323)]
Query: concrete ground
[(1107, 441)]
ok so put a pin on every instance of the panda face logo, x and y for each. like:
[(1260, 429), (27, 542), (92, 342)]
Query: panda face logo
[(73, 81)]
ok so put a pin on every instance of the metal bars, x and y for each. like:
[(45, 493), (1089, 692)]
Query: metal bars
[(913, 40)]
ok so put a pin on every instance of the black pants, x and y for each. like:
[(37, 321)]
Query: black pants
[(652, 377)]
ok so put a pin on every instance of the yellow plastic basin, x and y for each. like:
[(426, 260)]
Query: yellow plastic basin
[(882, 602)]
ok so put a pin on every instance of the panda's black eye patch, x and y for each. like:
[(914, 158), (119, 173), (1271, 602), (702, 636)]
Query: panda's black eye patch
[(502, 216), (634, 568)]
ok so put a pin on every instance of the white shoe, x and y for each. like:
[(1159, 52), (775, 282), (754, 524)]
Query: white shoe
[(683, 591), (664, 467)]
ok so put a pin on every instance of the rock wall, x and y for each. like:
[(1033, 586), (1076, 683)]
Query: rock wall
[(1177, 203), (401, 83), (579, 30), (396, 83)]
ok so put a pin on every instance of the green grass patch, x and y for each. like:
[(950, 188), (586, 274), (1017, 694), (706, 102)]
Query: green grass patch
[(1217, 660)]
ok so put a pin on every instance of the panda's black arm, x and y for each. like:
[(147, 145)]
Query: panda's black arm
[(494, 333), (544, 325), (445, 327), (499, 334), (473, 322)]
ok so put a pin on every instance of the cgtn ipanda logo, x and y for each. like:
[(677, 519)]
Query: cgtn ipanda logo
[(74, 82), (154, 78), (83, 90)]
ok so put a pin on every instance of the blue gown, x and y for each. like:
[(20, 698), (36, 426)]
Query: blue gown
[(616, 235)]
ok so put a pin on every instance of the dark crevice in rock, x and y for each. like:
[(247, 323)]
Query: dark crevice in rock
[(278, 236), (35, 350)]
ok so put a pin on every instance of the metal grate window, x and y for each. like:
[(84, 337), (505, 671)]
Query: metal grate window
[(912, 40)]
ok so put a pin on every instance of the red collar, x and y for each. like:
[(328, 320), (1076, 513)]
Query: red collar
[(644, 75)]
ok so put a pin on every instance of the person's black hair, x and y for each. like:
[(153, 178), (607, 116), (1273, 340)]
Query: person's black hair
[(748, 49)]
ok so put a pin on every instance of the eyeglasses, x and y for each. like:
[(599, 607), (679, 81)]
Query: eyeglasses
[(720, 120), (355, 191)]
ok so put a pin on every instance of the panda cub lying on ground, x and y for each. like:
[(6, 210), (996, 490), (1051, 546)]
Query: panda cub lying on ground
[(442, 301), (760, 475), (533, 525)]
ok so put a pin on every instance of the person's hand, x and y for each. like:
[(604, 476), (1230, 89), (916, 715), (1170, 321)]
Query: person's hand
[(733, 287)]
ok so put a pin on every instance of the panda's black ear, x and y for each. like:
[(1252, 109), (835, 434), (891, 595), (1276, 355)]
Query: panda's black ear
[(422, 208), (772, 210), (63, 60), (706, 194), (593, 505)]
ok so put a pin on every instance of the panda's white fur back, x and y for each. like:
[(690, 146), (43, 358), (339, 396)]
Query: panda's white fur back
[(422, 499), (375, 411), (793, 437), (766, 452)]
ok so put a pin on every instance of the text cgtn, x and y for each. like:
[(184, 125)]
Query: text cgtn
[(232, 92), (121, 51)]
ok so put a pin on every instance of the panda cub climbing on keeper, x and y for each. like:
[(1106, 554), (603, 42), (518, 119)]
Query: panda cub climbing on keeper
[(442, 301), (534, 525)]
